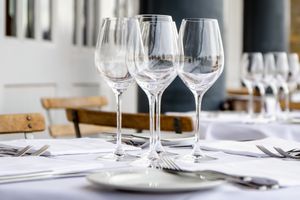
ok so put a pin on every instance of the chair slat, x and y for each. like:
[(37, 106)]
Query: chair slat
[(63, 130), (75, 102), (21, 123), (138, 121)]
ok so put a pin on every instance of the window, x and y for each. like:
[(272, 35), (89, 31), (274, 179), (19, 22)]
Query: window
[(11, 17), (46, 19), (33, 17), (29, 18)]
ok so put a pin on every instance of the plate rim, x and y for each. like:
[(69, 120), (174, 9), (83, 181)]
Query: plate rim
[(132, 188)]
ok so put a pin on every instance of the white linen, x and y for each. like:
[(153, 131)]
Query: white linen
[(249, 148), (68, 146), (80, 188), (11, 166), (287, 173), (236, 126)]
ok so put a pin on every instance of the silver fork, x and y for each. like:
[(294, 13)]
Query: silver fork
[(252, 182), (282, 153), (23, 151), (15, 153), (286, 154), (269, 153), (40, 151)]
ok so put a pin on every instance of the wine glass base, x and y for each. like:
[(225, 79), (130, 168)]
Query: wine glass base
[(162, 151), (148, 159), (117, 158), (195, 159)]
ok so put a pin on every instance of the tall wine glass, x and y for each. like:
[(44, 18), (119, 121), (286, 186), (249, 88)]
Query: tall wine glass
[(282, 73), (152, 61), (157, 100), (252, 76), (201, 63), (269, 78), (110, 60), (294, 70)]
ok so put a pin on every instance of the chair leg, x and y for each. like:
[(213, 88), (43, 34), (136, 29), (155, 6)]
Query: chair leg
[(76, 124)]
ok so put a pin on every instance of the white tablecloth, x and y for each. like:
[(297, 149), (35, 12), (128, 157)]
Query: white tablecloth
[(80, 188), (244, 131), (236, 126)]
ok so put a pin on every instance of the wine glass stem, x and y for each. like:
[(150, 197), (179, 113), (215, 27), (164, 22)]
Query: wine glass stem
[(151, 99), (157, 128), (119, 150), (262, 92), (198, 100), (251, 101), (286, 98)]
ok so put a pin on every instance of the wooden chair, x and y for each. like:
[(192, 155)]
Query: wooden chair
[(22, 123), (138, 121), (59, 130)]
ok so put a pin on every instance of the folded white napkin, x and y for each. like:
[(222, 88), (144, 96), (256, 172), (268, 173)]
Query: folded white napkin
[(68, 146), (249, 148), (13, 166)]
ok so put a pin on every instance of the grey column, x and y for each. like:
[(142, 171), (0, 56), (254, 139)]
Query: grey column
[(266, 25), (177, 96)]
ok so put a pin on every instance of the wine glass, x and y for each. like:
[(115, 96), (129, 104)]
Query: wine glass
[(281, 76), (294, 70), (152, 60), (270, 80), (252, 76), (201, 63), (110, 60), (157, 100)]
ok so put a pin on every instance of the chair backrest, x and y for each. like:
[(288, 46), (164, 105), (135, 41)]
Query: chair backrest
[(138, 121), (62, 130), (21, 123), (238, 100), (73, 102)]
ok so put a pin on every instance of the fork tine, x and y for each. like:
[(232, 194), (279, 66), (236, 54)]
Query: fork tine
[(40, 151), (269, 153), (172, 163), (282, 152), (23, 151)]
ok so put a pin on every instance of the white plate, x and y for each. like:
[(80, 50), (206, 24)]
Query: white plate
[(149, 180)]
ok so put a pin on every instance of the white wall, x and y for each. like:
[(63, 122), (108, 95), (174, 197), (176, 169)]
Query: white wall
[(33, 68)]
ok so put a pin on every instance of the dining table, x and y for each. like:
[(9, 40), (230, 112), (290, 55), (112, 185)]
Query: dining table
[(80, 187), (74, 188)]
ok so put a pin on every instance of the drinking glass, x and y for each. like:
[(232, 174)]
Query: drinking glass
[(269, 79), (252, 76), (110, 60), (157, 99), (294, 70), (201, 63), (281, 76), (152, 60)]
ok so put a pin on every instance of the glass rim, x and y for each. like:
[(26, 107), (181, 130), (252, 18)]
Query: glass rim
[(156, 22), (152, 15), (199, 19), (115, 18)]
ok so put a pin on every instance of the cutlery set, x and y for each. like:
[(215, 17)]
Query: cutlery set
[(291, 154), (260, 183), (26, 151)]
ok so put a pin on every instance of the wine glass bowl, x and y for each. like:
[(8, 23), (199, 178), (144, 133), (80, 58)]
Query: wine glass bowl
[(252, 75)]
